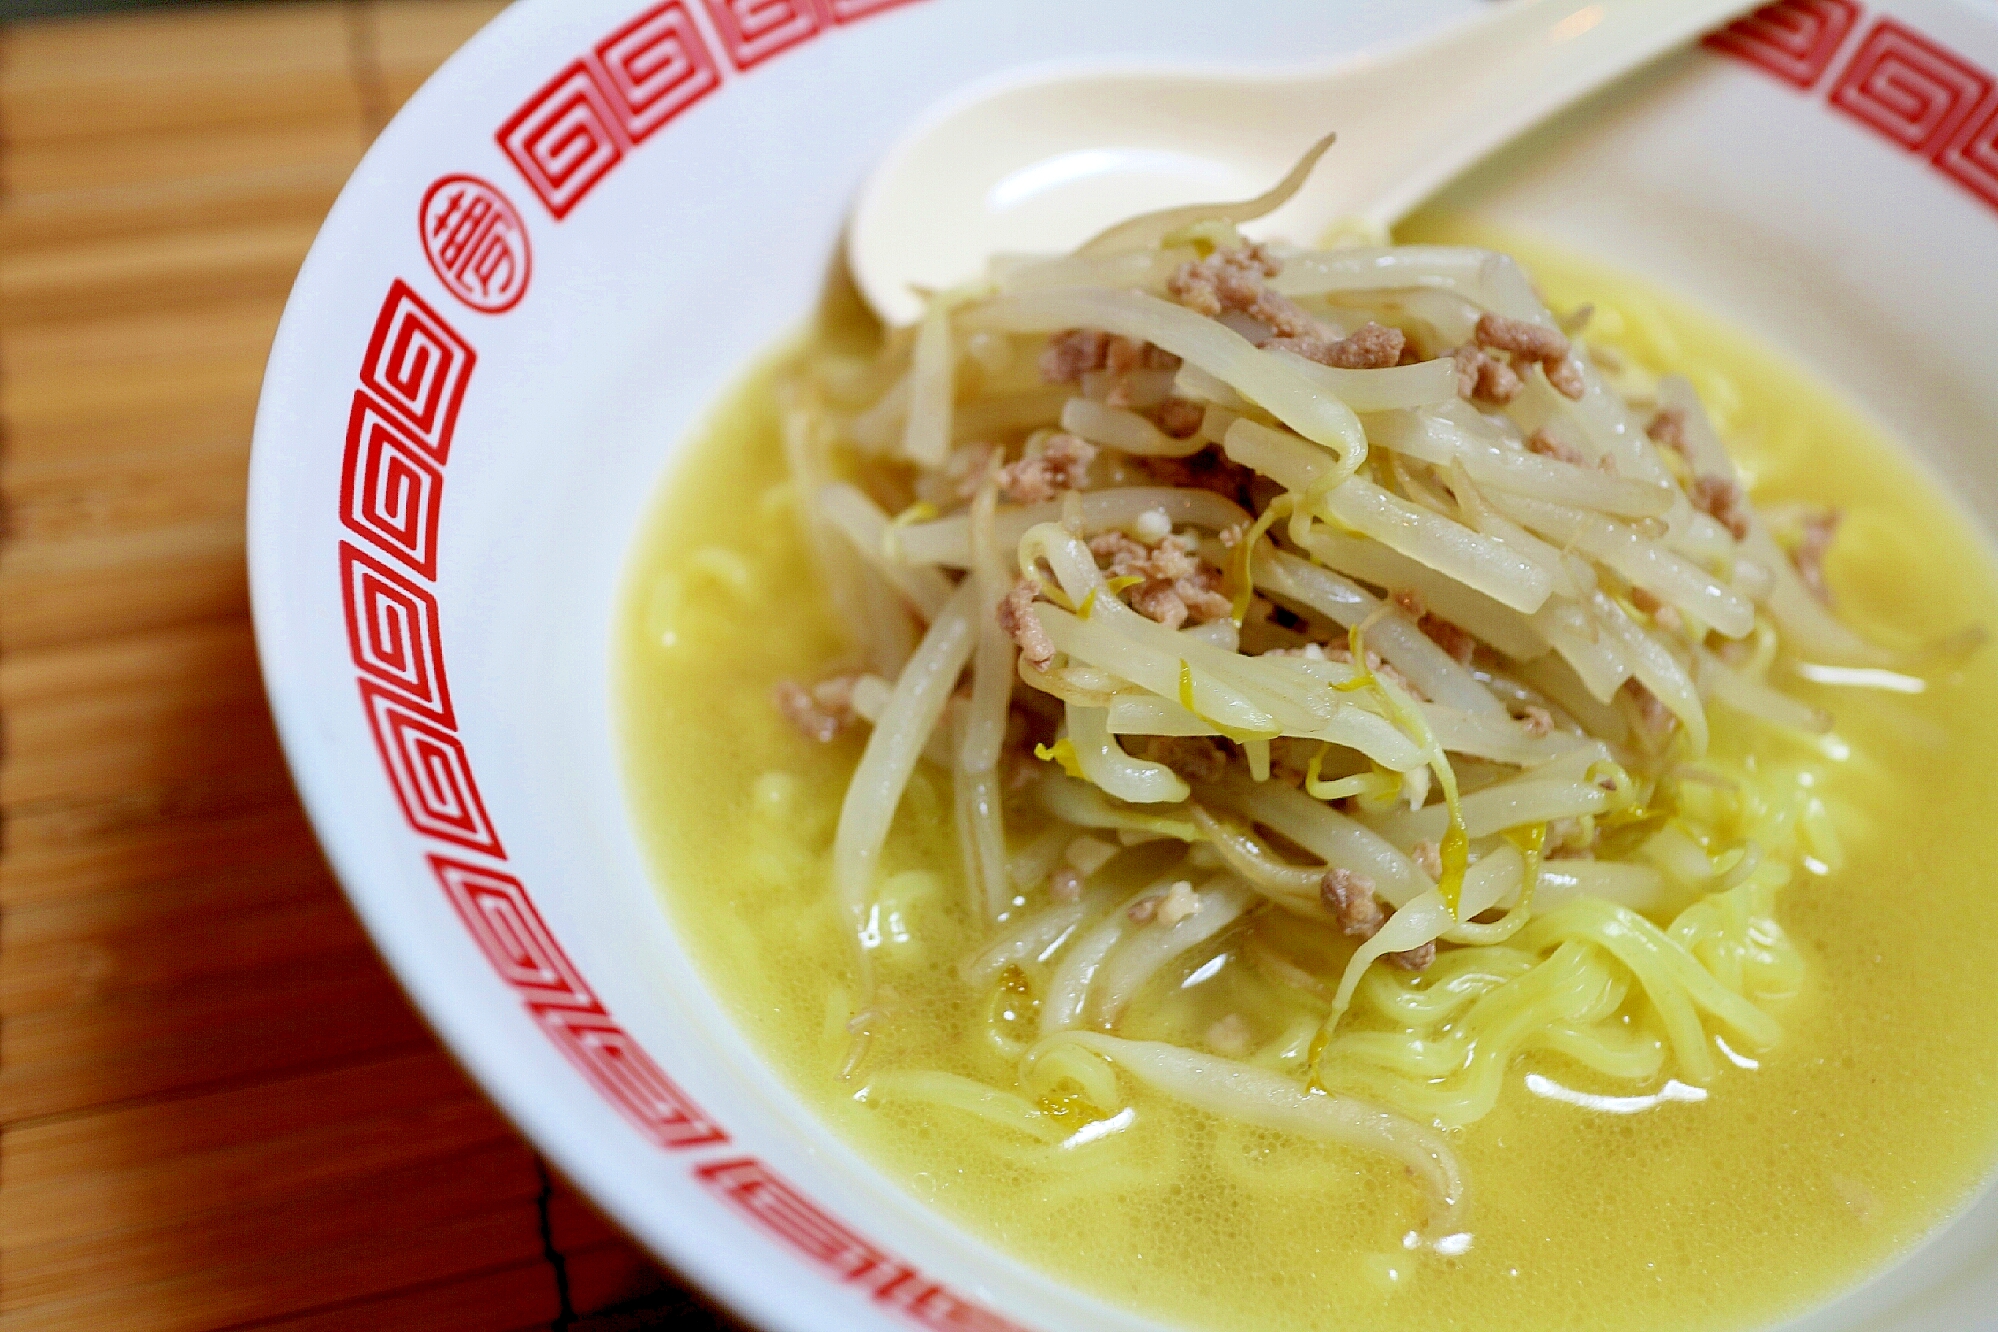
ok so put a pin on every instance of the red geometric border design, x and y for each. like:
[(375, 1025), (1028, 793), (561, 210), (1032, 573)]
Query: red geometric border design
[(390, 496), (580, 124), (1796, 40), (508, 930), (753, 1189), (765, 1198), (1909, 89), (1971, 159), (655, 67), (390, 491), (418, 367), (754, 30), (626, 1076), (431, 775), (562, 139), (393, 633)]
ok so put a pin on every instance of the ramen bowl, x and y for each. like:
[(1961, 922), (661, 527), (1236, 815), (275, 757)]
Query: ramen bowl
[(597, 214)]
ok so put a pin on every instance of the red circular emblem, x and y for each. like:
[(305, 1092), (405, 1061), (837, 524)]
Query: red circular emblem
[(476, 242)]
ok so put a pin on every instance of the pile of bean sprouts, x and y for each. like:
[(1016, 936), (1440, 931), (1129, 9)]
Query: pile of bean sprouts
[(1440, 775)]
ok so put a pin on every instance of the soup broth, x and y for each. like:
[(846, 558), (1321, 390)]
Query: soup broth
[(1791, 1174)]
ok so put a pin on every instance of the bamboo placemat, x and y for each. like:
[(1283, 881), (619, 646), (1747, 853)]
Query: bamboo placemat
[(216, 1108)]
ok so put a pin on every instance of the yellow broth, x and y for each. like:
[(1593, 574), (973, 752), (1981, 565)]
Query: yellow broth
[(1871, 1122)]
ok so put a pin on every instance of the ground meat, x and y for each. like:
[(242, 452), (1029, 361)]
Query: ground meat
[(1520, 337), (1532, 342), (1198, 599), (1457, 642), (1371, 347), (1178, 585), (1194, 757), (1668, 429), (1209, 469), (1122, 355), (1017, 618), (1179, 417), (1170, 559), (1547, 446), (1350, 898), (1233, 280), (1663, 615), (1415, 959), (1063, 464), (1075, 352), (1566, 377), (1483, 377), (1537, 720), (822, 711), (1809, 556), (1229, 279), (1656, 718), (1721, 497)]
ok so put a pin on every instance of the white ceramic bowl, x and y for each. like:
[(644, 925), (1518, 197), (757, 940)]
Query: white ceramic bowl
[(598, 212)]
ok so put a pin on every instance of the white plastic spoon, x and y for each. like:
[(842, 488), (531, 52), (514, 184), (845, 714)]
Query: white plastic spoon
[(1037, 164)]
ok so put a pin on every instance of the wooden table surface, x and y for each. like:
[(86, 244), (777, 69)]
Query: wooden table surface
[(217, 1110)]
